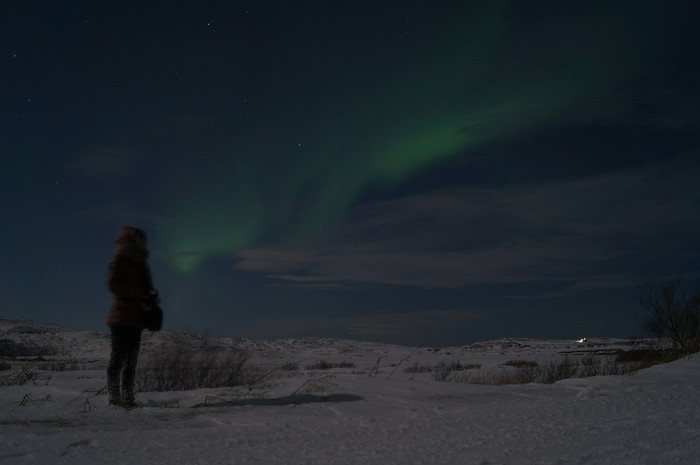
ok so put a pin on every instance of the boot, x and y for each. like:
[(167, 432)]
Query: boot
[(128, 400)]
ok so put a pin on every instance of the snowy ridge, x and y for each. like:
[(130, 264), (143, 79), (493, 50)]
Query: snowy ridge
[(352, 415), (64, 341)]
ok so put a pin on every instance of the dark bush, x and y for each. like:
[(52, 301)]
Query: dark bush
[(183, 370), (324, 365), (521, 363)]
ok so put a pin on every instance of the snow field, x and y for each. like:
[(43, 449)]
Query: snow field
[(346, 416)]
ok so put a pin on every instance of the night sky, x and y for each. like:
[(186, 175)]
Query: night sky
[(416, 172)]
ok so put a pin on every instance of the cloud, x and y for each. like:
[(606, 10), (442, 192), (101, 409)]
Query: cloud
[(310, 282), (350, 264), (385, 326), (591, 232)]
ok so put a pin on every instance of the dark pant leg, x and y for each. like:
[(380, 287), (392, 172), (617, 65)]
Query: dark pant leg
[(121, 372), (116, 362), (129, 370)]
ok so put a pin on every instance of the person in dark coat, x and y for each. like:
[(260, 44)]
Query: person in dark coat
[(129, 280)]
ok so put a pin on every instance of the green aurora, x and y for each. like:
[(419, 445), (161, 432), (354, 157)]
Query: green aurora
[(389, 126)]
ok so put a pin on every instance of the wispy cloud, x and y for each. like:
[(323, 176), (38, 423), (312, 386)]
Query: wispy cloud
[(385, 326), (516, 262), (591, 232)]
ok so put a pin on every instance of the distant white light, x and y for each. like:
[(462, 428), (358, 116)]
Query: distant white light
[(582, 341)]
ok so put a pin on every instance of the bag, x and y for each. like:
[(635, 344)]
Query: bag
[(153, 317), (152, 313)]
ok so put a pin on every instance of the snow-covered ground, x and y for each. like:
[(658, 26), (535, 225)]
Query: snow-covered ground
[(371, 410)]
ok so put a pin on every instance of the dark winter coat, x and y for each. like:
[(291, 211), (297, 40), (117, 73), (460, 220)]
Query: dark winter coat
[(129, 279)]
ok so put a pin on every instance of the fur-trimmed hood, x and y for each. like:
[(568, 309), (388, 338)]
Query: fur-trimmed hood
[(131, 243), (131, 251)]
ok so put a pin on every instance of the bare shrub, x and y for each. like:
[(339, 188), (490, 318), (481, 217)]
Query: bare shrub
[(622, 363), (673, 313), (590, 366), (644, 358), (291, 366), (518, 363), (418, 368), (442, 371), (24, 376), (446, 371), (324, 365), (548, 373), (502, 377), (556, 371), (59, 365), (11, 348), (183, 370)]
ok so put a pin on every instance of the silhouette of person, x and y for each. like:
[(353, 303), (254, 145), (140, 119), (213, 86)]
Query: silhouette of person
[(129, 280)]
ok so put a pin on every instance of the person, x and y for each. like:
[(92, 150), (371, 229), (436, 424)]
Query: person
[(129, 280)]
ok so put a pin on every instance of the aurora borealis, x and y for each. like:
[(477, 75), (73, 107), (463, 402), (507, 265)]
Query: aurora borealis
[(428, 106), (418, 172)]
